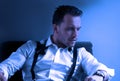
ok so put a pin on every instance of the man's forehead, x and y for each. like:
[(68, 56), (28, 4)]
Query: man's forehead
[(72, 20)]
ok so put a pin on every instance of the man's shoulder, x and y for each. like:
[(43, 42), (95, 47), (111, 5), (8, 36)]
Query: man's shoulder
[(34, 43), (30, 42)]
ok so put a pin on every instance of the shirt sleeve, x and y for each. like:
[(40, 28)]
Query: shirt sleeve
[(16, 60), (91, 65)]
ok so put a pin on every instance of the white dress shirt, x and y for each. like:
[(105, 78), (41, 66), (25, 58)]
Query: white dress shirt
[(53, 66)]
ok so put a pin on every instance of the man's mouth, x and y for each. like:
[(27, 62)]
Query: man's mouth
[(74, 40)]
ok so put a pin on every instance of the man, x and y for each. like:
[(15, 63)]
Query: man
[(55, 64)]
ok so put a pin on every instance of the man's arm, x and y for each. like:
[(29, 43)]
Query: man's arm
[(16, 60), (93, 68)]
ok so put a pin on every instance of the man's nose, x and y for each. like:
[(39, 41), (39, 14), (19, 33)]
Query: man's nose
[(75, 33)]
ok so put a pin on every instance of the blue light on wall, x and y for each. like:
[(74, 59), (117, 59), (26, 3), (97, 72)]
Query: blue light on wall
[(28, 19)]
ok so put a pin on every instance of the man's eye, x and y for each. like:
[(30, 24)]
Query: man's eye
[(70, 29), (78, 29), (73, 29)]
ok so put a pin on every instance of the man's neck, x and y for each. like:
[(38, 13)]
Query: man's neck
[(57, 42)]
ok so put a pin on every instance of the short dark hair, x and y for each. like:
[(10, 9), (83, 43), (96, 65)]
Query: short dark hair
[(62, 10)]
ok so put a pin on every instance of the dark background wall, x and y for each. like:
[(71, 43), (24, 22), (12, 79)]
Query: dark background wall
[(31, 20)]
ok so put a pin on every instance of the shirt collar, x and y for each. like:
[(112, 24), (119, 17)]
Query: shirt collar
[(49, 41)]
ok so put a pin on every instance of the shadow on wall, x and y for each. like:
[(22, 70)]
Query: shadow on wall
[(28, 19)]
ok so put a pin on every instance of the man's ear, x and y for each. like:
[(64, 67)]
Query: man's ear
[(55, 28)]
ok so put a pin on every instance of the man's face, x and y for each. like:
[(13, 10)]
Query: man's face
[(67, 31)]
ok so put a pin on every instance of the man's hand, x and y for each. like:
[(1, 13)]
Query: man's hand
[(94, 78), (2, 78)]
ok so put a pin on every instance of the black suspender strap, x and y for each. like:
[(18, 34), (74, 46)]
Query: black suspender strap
[(40, 49), (74, 63)]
